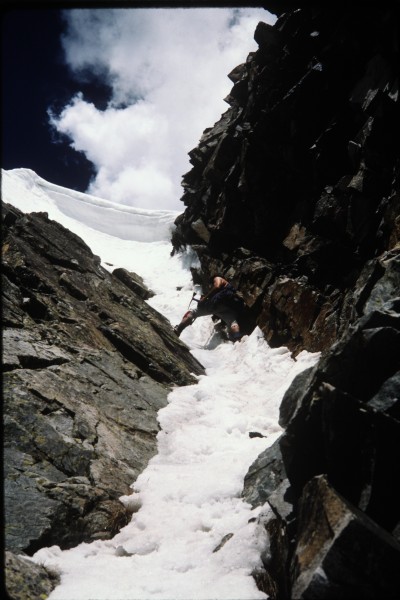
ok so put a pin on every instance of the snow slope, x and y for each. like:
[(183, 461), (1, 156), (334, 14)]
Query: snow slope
[(188, 499)]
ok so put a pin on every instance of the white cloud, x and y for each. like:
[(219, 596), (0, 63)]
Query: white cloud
[(168, 71)]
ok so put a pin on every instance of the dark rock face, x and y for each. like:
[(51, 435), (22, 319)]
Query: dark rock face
[(87, 365), (295, 191), (329, 478), (294, 197), (344, 554), (346, 422)]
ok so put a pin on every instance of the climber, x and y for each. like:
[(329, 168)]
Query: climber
[(221, 302)]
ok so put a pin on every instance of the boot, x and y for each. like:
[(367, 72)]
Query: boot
[(178, 329), (186, 321)]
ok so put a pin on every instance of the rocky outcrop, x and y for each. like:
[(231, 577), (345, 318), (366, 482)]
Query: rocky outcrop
[(329, 479), (26, 580), (294, 197), (87, 363), (296, 188)]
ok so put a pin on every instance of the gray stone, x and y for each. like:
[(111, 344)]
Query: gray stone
[(387, 287), (263, 477), (25, 580), (387, 399), (134, 282)]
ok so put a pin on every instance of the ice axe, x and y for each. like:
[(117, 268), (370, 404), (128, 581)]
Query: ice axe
[(187, 313), (193, 298)]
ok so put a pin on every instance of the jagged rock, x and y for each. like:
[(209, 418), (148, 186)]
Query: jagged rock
[(265, 474), (331, 427), (342, 424), (387, 286), (87, 365), (293, 398), (303, 172), (387, 398), (340, 553), (201, 230), (274, 580), (134, 282), (266, 35), (25, 580), (25, 349)]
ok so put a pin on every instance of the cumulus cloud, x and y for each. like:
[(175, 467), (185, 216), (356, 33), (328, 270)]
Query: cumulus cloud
[(167, 70)]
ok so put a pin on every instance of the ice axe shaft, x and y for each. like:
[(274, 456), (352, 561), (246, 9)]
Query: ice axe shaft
[(193, 298)]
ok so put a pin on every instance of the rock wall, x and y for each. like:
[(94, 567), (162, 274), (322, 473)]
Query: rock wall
[(294, 196), (294, 192), (330, 478), (87, 363)]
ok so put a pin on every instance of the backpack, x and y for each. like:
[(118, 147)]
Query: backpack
[(226, 295)]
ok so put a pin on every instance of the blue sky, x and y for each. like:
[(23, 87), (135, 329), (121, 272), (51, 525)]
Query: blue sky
[(124, 94)]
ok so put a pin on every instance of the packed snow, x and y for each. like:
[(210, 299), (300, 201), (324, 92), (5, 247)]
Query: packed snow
[(191, 535)]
